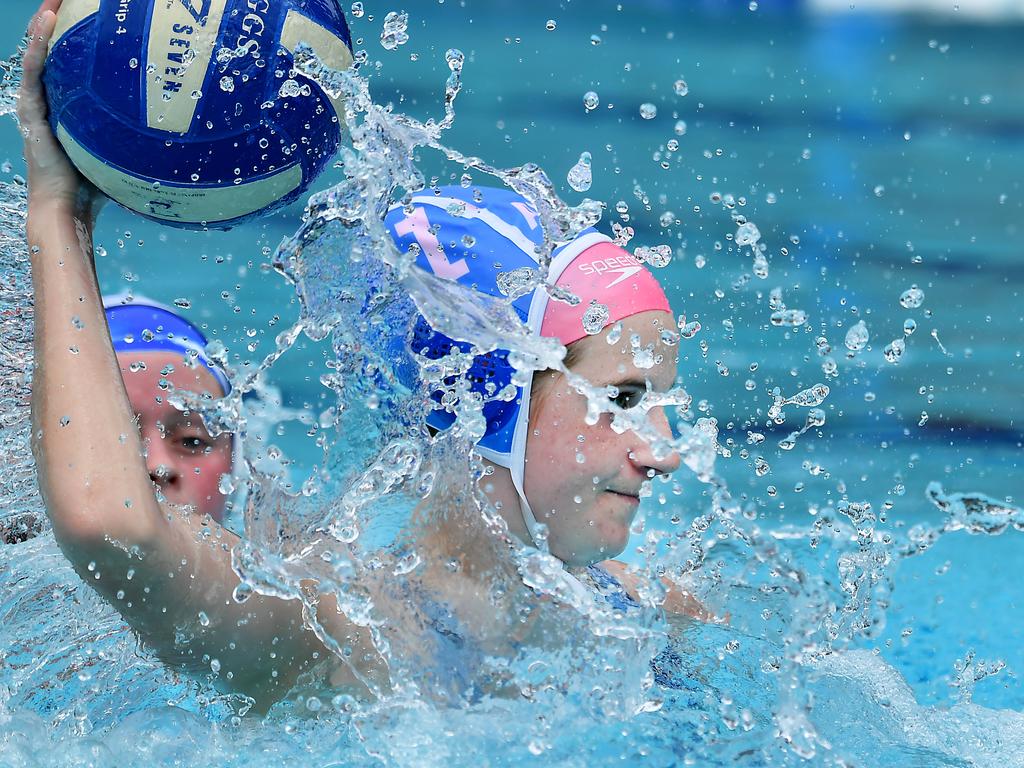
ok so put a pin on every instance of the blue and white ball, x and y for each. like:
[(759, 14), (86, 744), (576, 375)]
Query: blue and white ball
[(188, 111)]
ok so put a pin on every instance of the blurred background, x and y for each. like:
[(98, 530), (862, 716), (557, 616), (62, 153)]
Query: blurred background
[(876, 145)]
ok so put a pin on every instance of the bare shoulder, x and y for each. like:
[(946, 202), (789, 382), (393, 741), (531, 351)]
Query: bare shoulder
[(678, 601)]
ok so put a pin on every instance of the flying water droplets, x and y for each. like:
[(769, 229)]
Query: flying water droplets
[(648, 111), (788, 318), (760, 266), (591, 101), (657, 256), (806, 398), (395, 32)]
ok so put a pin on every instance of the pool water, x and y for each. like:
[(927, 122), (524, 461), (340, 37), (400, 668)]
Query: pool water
[(874, 153)]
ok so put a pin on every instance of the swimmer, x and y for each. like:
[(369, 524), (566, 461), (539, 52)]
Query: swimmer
[(184, 461), (166, 567), (157, 352), (162, 566), (552, 477)]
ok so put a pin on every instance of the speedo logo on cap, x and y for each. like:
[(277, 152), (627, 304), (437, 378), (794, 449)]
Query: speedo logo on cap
[(624, 266)]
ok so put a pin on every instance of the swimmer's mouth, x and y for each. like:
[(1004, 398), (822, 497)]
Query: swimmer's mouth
[(632, 497)]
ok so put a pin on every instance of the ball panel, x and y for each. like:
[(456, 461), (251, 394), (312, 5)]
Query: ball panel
[(331, 49), (182, 37), (69, 68), (328, 14), (115, 84), (72, 12), (182, 204)]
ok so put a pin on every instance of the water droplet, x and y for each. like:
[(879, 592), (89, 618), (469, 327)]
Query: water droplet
[(761, 467), (227, 84), (455, 59), (580, 176), (857, 337), (550, 25), (894, 350), (357, 10), (680, 128), (595, 317), (912, 298), (648, 111), (183, 303), (681, 88), (204, 620), (614, 334), (909, 326), (747, 234), (242, 592), (688, 330), (591, 100), (595, 39)]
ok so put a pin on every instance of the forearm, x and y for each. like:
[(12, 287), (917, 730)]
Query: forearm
[(91, 469)]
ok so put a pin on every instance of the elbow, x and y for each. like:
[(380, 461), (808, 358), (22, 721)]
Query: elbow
[(86, 528)]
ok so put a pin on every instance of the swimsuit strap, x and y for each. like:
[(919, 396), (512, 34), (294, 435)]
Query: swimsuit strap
[(610, 589)]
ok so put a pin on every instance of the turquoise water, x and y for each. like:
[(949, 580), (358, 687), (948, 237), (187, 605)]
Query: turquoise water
[(888, 147)]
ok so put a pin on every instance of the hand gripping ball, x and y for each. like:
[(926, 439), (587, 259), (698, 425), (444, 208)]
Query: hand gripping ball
[(189, 112)]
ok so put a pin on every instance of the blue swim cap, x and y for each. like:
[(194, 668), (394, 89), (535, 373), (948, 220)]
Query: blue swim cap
[(138, 324), (476, 237)]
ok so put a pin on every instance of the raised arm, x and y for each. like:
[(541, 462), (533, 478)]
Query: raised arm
[(166, 571)]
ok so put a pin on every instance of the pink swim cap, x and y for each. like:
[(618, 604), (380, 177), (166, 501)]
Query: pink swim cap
[(603, 274)]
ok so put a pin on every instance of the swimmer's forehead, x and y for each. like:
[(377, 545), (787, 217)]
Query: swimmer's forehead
[(178, 373), (621, 352)]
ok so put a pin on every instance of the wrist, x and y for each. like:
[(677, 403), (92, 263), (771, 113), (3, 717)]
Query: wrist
[(47, 213)]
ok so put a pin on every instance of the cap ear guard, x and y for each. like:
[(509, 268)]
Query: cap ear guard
[(489, 374)]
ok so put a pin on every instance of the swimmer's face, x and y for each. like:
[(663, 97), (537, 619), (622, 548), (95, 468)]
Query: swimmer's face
[(183, 459), (589, 506)]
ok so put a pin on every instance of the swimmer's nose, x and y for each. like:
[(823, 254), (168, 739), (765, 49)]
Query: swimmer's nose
[(162, 470), (643, 455)]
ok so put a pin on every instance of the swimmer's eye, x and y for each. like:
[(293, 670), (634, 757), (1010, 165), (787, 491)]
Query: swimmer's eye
[(194, 443), (628, 397)]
